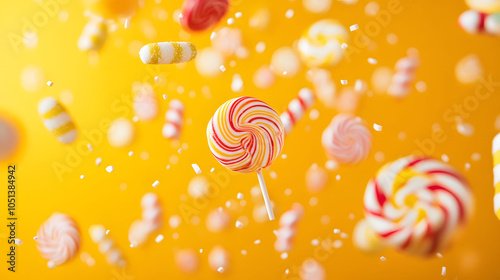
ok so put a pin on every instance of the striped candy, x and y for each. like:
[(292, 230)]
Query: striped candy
[(417, 205), (58, 239), (199, 15), (245, 134), (402, 80), (485, 6), (475, 22), (320, 46), (496, 174), (167, 52), (57, 120), (288, 228), (174, 118), (93, 35), (151, 220), (347, 140), (296, 109), (106, 246)]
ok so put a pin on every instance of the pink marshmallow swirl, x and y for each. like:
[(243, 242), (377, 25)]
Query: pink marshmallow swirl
[(347, 140)]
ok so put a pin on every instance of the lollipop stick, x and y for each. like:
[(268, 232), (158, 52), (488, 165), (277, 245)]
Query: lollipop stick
[(263, 188)]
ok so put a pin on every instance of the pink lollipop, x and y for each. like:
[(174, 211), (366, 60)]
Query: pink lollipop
[(347, 140)]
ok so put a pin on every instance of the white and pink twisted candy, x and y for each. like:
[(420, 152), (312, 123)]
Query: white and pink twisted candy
[(245, 134), (403, 78), (58, 239), (174, 118), (417, 205), (107, 246), (151, 220), (288, 228), (297, 108), (347, 140), (475, 22)]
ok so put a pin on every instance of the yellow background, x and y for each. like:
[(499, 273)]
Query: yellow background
[(429, 26)]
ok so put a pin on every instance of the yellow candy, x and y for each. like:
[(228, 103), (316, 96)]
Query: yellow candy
[(57, 120), (167, 52)]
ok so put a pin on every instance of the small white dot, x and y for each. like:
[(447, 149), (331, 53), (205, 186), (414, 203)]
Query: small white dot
[(156, 183), (383, 258), (238, 15), (377, 127), (289, 13), (344, 82), (110, 169), (222, 68), (344, 46), (372, 61), (230, 21), (354, 27)]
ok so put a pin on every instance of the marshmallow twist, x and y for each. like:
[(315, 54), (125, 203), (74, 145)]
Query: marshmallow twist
[(288, 228), (58, 239), (417, 205), (174, 118), (114, 256), (57, 120), (296, 109), (167, 52), (404, 76)]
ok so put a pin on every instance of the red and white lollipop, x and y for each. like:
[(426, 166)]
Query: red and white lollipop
[(200, 15), (246, 135)]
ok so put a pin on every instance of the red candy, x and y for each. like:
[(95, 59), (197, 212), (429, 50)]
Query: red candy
[(200, 15)]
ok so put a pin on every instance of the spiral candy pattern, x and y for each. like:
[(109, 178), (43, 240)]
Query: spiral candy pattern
[(199, 15), (58, 239), (296, 109), (417, 205), (347, 140), (245, 134), (320, 46)]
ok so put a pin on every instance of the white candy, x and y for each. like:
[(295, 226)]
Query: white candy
[(167, 52), (57, 120)]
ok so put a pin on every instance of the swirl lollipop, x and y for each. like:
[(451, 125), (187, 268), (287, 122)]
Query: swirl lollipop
[(58, 239), (417, 205), (246, 135), (199, 15)]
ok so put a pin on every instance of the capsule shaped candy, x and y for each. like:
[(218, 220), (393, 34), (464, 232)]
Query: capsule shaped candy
[(57, 120), (167, 52)]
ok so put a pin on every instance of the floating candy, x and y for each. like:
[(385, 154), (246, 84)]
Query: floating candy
[(200, 15), (404, 76), (227, 41), (167, 52), (208, 62), (106, 246), (264, 78), (365, 239), (296, 109), (218, 258), (187, 260), (174, 117), (312, 270), (469, 69), (288, 228), (198, 187), (285, 62), (496, 174), (316, 178), (246, 135), (151, 220), (317, 6), (320, 46), (347, 140), (121, 133), (145, 104), (381, 78), (475, 22), (32, 78), (324, 87), (347, 101), (485, 6), (94, 34), (417, 205), (58, 239), (217, 220), (57, 120), (260, 20), (9, 139)]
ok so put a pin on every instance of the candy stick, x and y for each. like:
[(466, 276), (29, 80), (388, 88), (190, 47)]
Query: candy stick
[(496, 174), (267, 201), (297, 108)]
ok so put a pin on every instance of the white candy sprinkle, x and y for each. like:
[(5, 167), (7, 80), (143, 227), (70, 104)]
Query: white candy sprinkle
[(467, 166), (354, 27), (344, 46), (439, 255), (443, 271), (315, 242), (127, 23), (212, 170), (372, 61), (284, 156), (98, 161), (260, 47), (256, 241), (107, 231), (220, 269), (445, 158), (344, 82), (131, 245), (130, 153), (377, 127), (344, 235), (18, 242), (35, 238), (239, 196), (156, 183), (82, 177), (212, 36), (284, 256), (90, 147), (201, 251), (275, 232), (110, 169), (239, 224), (289, 13), (359, 85), (238, 15), (159, 238), (284, 73), (179, 150), (135, 119), (222, 68), (244, 252), (383, 258), (337, 177), (336, 230), (196, 168), (165, 97), (287, 271), (230, 21)]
